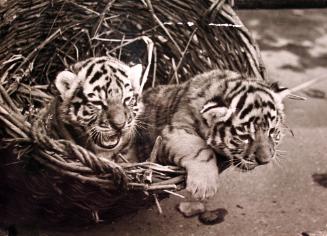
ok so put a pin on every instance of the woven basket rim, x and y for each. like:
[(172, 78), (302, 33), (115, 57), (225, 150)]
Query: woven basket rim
[(18, 86)]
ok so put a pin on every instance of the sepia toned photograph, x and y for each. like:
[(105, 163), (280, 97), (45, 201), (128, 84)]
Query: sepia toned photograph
[(163, 118)]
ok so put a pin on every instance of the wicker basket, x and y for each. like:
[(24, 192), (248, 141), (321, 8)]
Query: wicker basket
[(54, 181)]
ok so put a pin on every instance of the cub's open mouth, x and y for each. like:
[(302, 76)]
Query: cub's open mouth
[(107, 141)]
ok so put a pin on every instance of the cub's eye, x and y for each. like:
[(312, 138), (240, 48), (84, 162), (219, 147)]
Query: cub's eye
[(275, 135), (95, 104), (272, 131), (90, 95), (126, 100), (245, 138), (240, 129), (130, 119), (132, 101), (129, 101), (241, 139)]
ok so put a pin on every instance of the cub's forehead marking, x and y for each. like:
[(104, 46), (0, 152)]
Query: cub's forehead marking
[(258, 106), (102, 76)]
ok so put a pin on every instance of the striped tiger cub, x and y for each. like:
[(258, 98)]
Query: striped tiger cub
[(98, 104), (218, 112)]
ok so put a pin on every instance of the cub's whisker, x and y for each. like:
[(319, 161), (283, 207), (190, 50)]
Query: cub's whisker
[(282, 151)]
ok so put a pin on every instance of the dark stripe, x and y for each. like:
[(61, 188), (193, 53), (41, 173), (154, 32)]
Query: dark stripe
[(89, 70), (251, 119), (100, 103), (113, 69), (237, 92), (236, 151), (233, 131), (172, 107), (256, 120), (246, 111), (172, 157), (126, 99), (246, 124), (80, 94), (241, 102), (244, 136), (222, 133), (101, 61), (90, 95), (86, 62), (197, 122), (211, 107), (76, 106), (251, 89), (97, 88), (120, 83), (179, 162), (215, 130), (210, 157), (199, 152), (234, 143), (236, 86), (122, 72), (241, 129), (265, 92), (256, 104), (103, 69), (96, 77), (109, 82), (205, 122), (269, 116), (269, 104), (218, 99)]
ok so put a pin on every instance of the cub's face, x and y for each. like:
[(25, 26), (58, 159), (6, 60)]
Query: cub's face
[(245, 125), (99, 97)]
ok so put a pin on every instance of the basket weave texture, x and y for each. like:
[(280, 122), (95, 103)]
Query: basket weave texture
[(58, 180)]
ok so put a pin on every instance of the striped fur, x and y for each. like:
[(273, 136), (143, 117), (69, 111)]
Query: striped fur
[(215, 112), (98, 104)]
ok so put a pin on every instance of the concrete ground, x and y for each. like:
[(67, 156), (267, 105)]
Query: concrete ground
[(281, 199)]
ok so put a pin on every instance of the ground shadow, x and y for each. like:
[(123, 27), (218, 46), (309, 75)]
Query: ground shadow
[(320, 179)]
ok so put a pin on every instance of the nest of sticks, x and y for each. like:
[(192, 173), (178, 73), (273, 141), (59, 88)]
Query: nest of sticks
[(55, 180)]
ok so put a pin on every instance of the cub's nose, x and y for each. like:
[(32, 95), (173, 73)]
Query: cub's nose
[(117, 119), (262, 155)]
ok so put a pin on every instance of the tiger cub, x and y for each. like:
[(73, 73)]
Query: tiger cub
[(97, 106), (215, 113)]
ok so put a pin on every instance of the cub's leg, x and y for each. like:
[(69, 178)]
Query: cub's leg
[(187, 149)]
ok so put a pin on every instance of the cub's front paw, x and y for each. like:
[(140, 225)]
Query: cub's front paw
[(202, 181)]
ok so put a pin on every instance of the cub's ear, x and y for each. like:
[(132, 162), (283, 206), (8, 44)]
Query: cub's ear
[(65, 82), (280, 91), (135, 76), (213, 113)]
